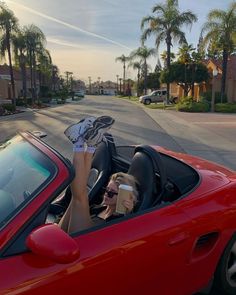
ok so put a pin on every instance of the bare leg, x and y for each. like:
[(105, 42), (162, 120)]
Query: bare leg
[(88, 162), (77, 216)]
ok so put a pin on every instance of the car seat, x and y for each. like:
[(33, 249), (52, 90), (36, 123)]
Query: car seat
[(142, 169), (145, 164)]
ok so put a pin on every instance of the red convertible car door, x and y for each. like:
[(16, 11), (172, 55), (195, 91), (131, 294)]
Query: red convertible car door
[(148, 253)]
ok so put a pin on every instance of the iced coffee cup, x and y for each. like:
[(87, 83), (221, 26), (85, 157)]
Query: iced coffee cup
[(124, 193)]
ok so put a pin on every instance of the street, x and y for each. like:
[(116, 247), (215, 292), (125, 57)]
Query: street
[(132, 126), (210, 136)]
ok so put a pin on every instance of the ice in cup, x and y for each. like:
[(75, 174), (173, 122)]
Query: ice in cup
[(124, 193)]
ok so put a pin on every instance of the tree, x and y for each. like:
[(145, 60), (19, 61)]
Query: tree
[(20, 56), (8, 25), (123, 59), (35, 40), (153, 81), (220, 30), (185, 75), (166, 26), (188, 56), (44, 68), (143, 53), (164, 57), (137, 66)]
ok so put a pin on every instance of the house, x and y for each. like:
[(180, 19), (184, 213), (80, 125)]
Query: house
[(5, 82), (230, 77), (102, 88), (199, 89)]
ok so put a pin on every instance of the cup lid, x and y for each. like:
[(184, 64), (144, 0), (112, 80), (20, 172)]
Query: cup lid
[(126, 187)]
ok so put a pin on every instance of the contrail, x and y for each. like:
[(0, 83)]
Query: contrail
[(67, 24), (64, 43)]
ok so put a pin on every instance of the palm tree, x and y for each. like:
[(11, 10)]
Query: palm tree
[(164, 57), (44, 67), (220, 29), (137, 66), (166, 26), (35, 45), (20, 56), (143, 53), (123, 59), (8, 25), (55, 77), (185, 53)]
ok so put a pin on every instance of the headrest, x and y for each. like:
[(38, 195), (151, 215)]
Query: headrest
[(142, 169)]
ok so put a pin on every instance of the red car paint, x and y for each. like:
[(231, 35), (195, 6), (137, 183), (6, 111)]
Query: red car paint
[(155, 252)]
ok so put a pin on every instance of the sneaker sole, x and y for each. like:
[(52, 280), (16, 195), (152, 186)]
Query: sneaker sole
[(101, 123), (69, 130)]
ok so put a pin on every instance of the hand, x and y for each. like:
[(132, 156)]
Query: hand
[(129, 204)]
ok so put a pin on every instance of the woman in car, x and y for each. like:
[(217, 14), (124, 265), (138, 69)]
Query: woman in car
[(85, 136)]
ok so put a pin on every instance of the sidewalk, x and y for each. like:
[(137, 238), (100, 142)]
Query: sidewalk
[(208, 135)]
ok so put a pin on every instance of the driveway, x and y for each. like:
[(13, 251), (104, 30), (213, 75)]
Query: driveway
[(208, 135)]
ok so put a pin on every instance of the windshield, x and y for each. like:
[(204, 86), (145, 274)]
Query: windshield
[(24, 170)]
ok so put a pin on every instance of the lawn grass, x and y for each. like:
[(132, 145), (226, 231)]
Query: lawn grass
[(131, 98), (161, 106)]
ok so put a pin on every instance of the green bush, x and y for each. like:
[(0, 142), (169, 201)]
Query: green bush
[(208, 96), (20, 102), (188, 104), (9, 107), (45, 99), (61, 101), (225, 107), (29, 101)]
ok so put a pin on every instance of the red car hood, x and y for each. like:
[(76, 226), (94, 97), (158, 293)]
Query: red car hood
[(212, 176)]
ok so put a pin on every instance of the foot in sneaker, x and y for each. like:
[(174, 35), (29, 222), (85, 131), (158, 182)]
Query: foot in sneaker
[(94, 135), (74, 131)]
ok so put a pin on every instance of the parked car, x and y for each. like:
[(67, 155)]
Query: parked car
[(180, 238), (156, 96), (79, 93)]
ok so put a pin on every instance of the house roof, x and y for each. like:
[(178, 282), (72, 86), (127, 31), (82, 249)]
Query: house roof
[(5, 71), (231, 66)]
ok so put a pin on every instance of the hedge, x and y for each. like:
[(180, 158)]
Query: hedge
[(188, 104), (225, 107)]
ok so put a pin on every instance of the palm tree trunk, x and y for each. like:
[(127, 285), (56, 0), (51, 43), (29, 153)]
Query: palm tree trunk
[(24, 87), (145, 77), (138, 83), (11, 69), (34, 77), (124, 79), (31, 76), (23, 76), (168, 51), (224, 73)]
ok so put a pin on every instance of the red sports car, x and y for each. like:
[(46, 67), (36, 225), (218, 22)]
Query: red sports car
[(180, 239)]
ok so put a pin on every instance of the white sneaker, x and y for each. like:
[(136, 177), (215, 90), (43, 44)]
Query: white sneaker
[(94, 135), (74, 131)]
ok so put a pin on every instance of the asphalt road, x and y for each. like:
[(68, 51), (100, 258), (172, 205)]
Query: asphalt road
[(132, 124)]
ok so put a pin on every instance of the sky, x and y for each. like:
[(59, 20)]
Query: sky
[(86, 36)]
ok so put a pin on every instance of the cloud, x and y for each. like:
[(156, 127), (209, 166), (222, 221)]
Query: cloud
[(45, 16)]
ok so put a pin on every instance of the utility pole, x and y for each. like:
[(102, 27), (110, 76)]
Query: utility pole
[(90, 88)]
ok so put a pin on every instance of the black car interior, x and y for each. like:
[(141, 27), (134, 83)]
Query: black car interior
[(160, 178)]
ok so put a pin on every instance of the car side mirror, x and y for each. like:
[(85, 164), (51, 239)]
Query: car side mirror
[(50, 241)]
